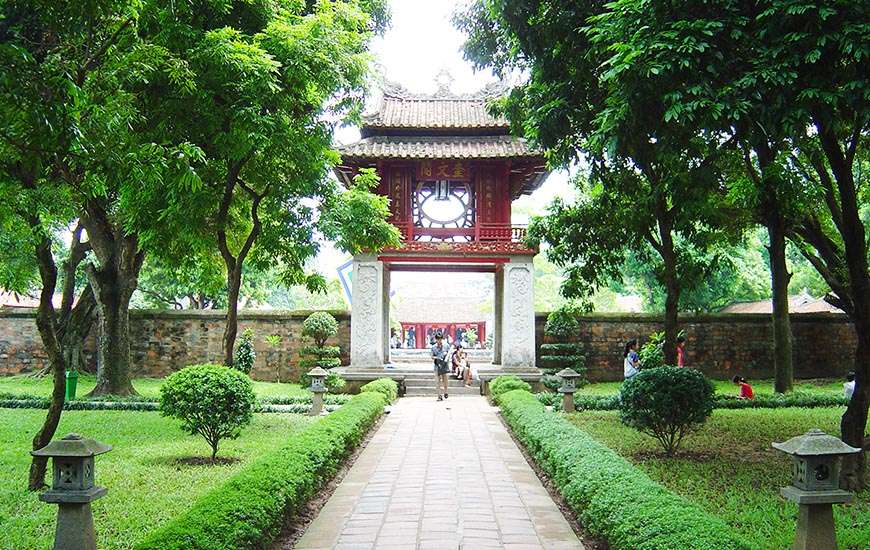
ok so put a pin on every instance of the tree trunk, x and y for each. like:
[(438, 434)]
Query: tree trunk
[(113, 342), (779, 278), (853, 423), (671, 282), (231, 329), (47, 326)]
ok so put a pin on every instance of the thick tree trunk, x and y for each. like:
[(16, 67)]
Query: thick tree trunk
[(113, 278), (779, 278), (113, 341), (231, 329), (853, 423)]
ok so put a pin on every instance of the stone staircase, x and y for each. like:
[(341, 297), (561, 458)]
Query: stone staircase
[(419, 356)]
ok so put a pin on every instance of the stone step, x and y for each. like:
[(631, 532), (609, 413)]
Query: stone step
[(431, 381), (430, 391)]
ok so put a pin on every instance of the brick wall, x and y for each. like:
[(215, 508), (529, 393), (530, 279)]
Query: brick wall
[(722, 344), (165, 341)]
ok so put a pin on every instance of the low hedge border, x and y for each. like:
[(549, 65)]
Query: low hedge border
[(35, 403), (385, 386), (612, 498), (249, 510), (330, 398), (761, 401)]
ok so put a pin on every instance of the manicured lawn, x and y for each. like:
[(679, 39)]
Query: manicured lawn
[(730, 469), (147, 485), (726, 387), (149, 387)]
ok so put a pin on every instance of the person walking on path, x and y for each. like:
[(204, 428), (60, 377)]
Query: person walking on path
[(631, 363), (442, 368)]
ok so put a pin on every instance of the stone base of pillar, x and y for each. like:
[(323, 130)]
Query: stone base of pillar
[(815, 528), (75, 528)]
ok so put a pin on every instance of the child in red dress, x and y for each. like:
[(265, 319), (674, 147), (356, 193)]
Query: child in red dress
[(745, 389)]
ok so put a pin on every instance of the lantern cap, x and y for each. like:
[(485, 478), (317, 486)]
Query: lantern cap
[(317, 371), (815, 443), (568, 373), (73, 445)]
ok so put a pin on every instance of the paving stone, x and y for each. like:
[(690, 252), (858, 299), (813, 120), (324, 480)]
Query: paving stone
[(440, 476)]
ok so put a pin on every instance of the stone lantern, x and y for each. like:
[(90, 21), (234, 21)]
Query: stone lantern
[(815, 486), (318, 388), (569, 386), (73, 489)]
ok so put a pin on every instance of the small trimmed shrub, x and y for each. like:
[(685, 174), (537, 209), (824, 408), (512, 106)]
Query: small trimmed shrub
[(248, 511), (320, 326), (562, 323), (612, 498), (502, 384), (385, 386), (245, 355), (666, 403), (213, 401)]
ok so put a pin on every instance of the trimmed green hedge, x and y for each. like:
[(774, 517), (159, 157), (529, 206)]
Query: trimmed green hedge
[(385, 386), (250, 508), (613, 498), (506, 383), (762, 401), (265, 406)]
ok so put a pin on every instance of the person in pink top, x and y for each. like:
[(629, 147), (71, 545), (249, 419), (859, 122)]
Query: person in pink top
[(681, 351)]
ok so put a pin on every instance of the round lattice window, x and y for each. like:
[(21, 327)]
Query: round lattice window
[(443, 204)]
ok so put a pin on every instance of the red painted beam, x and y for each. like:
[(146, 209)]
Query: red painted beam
[(444, 259), (465, 268)]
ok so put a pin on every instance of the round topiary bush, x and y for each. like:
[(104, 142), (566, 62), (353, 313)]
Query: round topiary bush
[(504, 384), (666, 403), (213, 401), (562, 323), (320, 326)]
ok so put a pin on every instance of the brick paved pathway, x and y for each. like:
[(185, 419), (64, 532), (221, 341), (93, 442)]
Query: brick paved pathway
[(440, 475)]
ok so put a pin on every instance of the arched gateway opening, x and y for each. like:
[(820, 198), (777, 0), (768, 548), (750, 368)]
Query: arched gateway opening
[(451, 171)]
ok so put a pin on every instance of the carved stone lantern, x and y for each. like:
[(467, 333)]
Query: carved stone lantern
[(815, 486), (569, 386), (318, 388), (73, 489)]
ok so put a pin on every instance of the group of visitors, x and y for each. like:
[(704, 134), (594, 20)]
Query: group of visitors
[(450, 359), (631, 366)]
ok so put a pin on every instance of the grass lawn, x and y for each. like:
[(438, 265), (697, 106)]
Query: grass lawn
[(730, 469), (726, 387), (147, 485), (149, 387)]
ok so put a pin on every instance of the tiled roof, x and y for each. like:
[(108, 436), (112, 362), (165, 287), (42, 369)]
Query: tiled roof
[(426, 147), (443, 309), (402, 109), (801, 303)]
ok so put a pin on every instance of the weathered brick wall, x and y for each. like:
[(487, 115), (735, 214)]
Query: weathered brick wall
[(165, 341), (721, 345)]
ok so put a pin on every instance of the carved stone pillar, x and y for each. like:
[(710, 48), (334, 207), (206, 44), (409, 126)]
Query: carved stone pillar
[(367, 337), (518, 315), (498, 308)]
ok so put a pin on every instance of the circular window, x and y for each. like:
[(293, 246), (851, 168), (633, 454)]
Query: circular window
[(443, 204)]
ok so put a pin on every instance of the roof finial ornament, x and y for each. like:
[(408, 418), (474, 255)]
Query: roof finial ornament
[(444, 80)]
